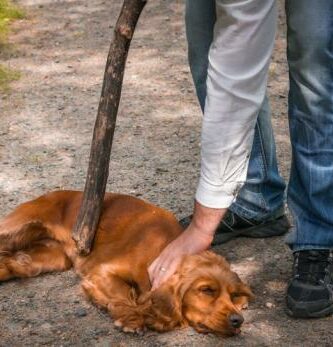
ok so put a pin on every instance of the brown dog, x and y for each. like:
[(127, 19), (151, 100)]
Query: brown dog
[(203, 293)]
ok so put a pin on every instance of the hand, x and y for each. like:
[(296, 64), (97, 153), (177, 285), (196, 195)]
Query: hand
[(195, 239)]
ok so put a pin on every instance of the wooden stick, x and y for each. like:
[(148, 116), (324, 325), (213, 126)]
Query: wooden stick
[(94, 191)]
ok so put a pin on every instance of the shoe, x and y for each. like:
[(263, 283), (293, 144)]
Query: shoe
[(310, 292), (233, 225)]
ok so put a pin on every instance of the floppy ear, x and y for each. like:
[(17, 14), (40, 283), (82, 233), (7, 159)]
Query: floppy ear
[(165, 310)]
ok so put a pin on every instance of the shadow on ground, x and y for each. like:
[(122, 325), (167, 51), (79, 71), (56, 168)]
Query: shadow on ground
[(45, 133)]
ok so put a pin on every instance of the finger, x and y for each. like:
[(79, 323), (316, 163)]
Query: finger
[(151, 270), (161, 261), (154, 270), (163, 276), (159, 272), (156, 265)]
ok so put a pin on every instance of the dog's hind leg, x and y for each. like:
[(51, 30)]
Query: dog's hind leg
[(29, 222), (41, 256)]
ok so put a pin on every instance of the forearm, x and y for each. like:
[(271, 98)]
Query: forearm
[(205, 220), (237, 77)]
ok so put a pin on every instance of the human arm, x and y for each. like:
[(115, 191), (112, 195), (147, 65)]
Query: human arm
[(238, 67)]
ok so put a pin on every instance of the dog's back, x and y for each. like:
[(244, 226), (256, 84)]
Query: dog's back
[(130, 235)]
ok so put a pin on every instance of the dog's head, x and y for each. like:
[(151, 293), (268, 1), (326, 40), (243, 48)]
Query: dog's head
[(204, 293)]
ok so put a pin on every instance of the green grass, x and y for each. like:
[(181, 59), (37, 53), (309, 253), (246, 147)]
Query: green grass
[(6, 76), (8, 12)]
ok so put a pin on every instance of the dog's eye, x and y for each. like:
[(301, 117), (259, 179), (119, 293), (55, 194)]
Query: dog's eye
[(207, 290), (233, 296)]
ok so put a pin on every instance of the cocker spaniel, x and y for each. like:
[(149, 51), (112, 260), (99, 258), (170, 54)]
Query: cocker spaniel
[(203, 293)]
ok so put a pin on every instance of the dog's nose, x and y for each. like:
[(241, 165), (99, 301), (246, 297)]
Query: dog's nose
[(236, 320)]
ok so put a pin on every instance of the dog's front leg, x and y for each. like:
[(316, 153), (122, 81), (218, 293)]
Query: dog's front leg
[(111, 292)]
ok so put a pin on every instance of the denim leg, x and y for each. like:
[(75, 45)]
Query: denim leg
[(310, 58), (261, 197), (200, 17)]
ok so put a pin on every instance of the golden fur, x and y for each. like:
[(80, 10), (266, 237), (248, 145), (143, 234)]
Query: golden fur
[(204, 292)]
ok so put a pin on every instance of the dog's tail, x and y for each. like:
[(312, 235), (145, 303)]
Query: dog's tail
[(34, 220)]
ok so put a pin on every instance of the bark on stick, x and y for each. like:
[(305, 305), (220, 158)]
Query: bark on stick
[(94, 191)]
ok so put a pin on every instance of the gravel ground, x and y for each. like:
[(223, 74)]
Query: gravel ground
[(45, 131)]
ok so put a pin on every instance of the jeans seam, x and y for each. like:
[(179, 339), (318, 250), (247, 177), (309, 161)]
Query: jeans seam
[(235, 207), (263, 156)]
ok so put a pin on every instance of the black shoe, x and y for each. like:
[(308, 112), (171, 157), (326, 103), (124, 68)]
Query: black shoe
[(233, 226), (310, 292)]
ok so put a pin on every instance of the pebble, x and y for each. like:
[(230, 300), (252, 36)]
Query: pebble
[(46, 326), (191, 332), (80, 312), (269, 305)]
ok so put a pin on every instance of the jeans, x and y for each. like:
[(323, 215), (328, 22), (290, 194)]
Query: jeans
[(310, 59), (262, 197)]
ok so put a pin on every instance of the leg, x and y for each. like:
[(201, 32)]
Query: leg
[(28, 223), (310, 193), (118, 297), (310, 57), (200, 19), (261, 198), (42, 256)]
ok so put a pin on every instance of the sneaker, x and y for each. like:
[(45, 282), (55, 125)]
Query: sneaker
[(310, 292), (233, 225)]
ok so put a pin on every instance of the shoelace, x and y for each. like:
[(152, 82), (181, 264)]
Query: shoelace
[(312, 266)]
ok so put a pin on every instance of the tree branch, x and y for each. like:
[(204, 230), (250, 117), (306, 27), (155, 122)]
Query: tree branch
[(94, 191)]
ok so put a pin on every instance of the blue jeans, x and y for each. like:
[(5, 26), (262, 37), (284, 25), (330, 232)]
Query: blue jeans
[(310, 59), (262, 197)]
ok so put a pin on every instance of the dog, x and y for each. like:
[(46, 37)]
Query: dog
[(203, 293)]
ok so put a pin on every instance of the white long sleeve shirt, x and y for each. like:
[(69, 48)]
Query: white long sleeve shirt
[(237, 77)]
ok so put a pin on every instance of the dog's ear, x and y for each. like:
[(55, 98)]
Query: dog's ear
[(165, 311)]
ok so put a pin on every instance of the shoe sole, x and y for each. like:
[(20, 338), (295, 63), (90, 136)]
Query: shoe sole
[(299, 310), (277, 227)]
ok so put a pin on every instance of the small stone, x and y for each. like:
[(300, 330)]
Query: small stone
[(191, 332), (269, 305), (80, 312), (46, 326)]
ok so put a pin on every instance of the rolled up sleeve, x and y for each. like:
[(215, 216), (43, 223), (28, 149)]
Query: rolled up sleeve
[(237, 77)]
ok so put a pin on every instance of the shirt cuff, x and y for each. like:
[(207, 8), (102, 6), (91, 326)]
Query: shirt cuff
[(222, 197)]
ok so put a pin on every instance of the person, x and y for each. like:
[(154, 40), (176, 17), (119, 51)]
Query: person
[(230, 43)]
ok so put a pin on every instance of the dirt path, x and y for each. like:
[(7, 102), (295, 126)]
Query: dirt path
[(45, 131)]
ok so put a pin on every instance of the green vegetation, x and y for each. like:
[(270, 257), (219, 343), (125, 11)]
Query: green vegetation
[(6, 76), (8, 12)]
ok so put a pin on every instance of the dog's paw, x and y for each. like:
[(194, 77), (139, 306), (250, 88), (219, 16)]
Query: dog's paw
[(131, 327)]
